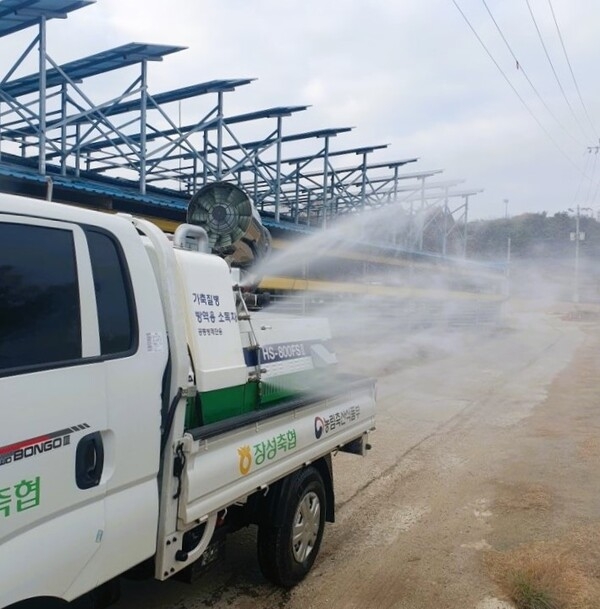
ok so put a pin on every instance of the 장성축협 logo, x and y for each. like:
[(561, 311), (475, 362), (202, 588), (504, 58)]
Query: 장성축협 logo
[(245, 455), (319, 427)]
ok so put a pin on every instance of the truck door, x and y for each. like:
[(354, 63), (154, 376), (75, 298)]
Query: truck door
[(134, 355), (54, 449)]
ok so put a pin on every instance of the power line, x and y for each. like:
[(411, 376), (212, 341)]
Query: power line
[(535, 118), (576, 195), (539, 33), (595, 193), (571, 69), (522, 69)]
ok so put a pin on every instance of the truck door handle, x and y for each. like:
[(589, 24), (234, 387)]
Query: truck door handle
[(89, 460)]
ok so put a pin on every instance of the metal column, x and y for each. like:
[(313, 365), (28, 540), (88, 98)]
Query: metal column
[(325, 180), (395, 200), (220, 135), (445, 223), (42, 106), (422, 211), (466, 225), (278, 170), (63, 129), (143, 120), (363, 185)]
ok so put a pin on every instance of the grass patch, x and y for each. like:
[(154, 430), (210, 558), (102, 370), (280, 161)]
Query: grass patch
[(589, 448), (528, 596), (524, 497), (543, 576)]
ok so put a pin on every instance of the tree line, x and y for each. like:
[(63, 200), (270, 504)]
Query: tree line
[(532, 235)]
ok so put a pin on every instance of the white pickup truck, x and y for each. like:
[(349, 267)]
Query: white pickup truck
[(145, 413)]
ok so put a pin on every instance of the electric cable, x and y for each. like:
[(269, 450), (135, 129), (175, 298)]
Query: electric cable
[(539, 33), (524, 72), (523, 102), (583, 175), (595, 193), (571, 70)]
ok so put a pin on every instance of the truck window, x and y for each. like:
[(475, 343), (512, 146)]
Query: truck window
[(39, 297), (113, 295)]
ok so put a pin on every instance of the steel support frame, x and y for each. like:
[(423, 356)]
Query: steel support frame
[(100, 127), (88, 137)]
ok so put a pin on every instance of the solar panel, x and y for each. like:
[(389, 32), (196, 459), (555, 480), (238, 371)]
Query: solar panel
[(135, 105), (166, 97), (18, 15), (105, 61), (321, 133), (361, 150), (154, 135)]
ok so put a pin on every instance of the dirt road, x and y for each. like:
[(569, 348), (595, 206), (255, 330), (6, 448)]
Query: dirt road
[(486, 440)]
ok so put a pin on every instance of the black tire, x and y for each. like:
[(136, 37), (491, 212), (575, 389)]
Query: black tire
[(285, 560)]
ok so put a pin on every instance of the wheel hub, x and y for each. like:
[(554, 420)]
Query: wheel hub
[(306, 526)]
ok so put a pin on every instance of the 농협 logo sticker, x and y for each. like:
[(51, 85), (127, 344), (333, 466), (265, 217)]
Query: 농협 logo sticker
[(19, 497)]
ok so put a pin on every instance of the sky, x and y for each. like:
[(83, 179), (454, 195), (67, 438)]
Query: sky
[(408, 73)]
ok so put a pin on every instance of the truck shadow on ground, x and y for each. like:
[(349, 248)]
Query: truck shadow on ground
[(235, 580)]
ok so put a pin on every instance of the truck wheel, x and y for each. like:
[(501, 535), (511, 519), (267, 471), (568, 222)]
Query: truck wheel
[(287, 552)]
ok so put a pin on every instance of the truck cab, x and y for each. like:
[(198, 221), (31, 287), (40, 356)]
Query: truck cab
[(83, 355)]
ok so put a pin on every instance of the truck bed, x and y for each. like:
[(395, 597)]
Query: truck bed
[(227, 461)]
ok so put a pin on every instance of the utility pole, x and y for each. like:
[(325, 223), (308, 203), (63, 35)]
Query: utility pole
[(576, 292), (507, 248), (508, 267), (577, 236)]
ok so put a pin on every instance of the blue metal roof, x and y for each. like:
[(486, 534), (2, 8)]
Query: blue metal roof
[(113, 59), (287, 226), (18, 15), (119, 189), (120, 192)]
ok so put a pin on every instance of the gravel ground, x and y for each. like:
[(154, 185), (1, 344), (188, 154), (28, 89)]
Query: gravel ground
[(487, 439)]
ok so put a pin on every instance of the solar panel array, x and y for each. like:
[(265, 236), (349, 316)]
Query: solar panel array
[(133, 148)]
